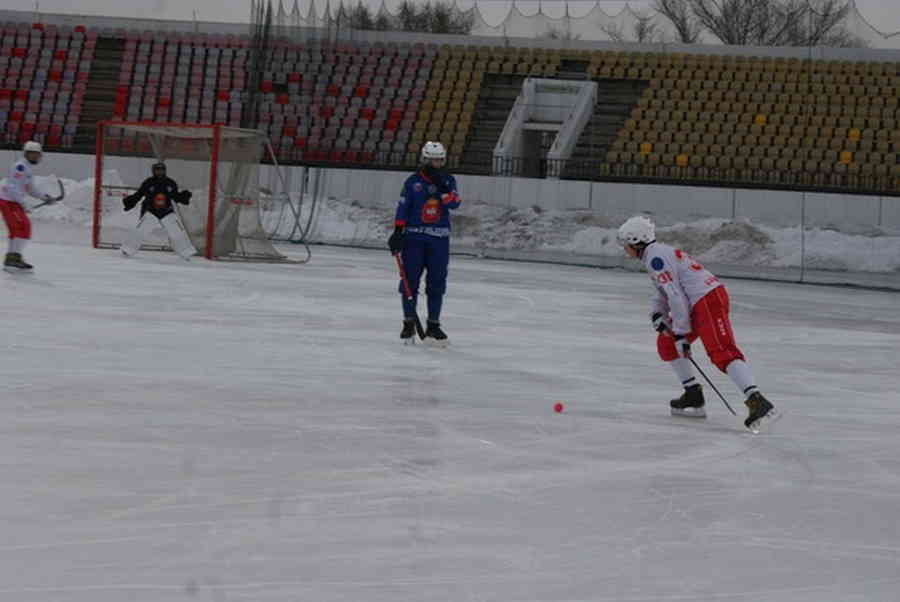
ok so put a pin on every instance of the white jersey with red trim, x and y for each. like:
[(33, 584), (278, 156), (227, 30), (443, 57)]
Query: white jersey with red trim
[(680, 282), (18, 184)]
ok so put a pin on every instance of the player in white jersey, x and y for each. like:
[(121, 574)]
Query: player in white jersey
[(691, 303), (18, 185)]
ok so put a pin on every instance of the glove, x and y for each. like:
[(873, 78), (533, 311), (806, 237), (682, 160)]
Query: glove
[(130, 202), (682, 346), (449, 197), (183, 197), (660, 323), (397, 240)]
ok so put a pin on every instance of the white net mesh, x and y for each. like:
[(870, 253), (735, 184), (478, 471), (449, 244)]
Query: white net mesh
[(219, 165)]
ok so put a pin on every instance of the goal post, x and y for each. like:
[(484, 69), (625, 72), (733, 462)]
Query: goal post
[(219, 165)]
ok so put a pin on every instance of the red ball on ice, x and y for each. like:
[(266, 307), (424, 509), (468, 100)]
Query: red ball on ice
[(558, 408)]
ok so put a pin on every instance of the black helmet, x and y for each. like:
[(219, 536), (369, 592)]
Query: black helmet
[(159, 165)]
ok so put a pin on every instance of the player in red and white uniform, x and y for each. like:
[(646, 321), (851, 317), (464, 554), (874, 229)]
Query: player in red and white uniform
[(17, 187), (691, 303)]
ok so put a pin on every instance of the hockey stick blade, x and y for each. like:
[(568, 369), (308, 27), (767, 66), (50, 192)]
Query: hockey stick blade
[(62, 191), (407, 292), (55, 199)]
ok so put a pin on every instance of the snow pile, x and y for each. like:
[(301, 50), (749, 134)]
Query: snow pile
[(481, 225), (713, 240), (78, 206)]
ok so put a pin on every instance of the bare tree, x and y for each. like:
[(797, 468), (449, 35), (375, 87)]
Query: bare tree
[(645, 31), (440, 16), (679, 13), (615, 31), (555, 33), (762, 22), (383, 22), (360, 16), (446, 18), (408, 16)]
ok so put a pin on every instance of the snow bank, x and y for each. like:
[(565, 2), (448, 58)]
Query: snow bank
[(713, 240), (481, 225)]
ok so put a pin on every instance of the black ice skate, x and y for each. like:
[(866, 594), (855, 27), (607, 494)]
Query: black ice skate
[(408, 334), (691, 403), (15, 264), (434, 336), (761, 412)]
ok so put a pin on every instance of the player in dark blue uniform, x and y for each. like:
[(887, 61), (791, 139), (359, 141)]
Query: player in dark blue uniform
[(422, 236)]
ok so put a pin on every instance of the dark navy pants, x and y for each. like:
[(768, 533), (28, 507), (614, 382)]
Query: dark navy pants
[(431, 254)]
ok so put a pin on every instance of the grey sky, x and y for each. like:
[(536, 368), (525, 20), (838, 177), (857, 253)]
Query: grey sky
[(884, 14)]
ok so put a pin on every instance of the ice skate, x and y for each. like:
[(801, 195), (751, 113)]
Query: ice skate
[(691, 403), (762, 414), (434, 336), (408, 334), (14, 264)]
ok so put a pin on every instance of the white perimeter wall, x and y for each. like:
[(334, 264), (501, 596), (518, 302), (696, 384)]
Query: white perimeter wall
[(849, 213)]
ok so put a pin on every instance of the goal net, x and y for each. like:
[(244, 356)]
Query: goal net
[(219, 165)]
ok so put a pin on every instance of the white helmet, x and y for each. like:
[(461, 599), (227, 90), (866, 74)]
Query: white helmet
[(433, 150), (637, 230), (32, 147)]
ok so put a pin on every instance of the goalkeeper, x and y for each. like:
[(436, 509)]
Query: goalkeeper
[(157, 195)]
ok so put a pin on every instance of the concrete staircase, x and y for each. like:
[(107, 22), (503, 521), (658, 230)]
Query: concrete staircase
[(495, 100), (101, 92), (615, 101)]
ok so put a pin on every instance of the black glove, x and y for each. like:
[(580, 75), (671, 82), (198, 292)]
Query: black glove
[(660, 323), (183, 197), (397, 240), (130, 201), (682, 346)]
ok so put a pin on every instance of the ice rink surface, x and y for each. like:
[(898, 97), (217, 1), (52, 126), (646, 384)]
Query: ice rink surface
[(245, 432)]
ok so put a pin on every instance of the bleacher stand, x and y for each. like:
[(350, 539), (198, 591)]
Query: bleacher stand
[(44, 71)]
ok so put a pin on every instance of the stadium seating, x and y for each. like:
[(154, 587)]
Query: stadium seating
[(44, 71), (760, 120), (702, 118), (345, 102)]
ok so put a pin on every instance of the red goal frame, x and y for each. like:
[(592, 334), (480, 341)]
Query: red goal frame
[(216, 138)]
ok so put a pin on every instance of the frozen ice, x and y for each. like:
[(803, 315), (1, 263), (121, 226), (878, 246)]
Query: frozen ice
[(251, 432)]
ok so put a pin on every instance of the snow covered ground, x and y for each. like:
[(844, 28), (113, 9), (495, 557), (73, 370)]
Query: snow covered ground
[(244, 432)]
